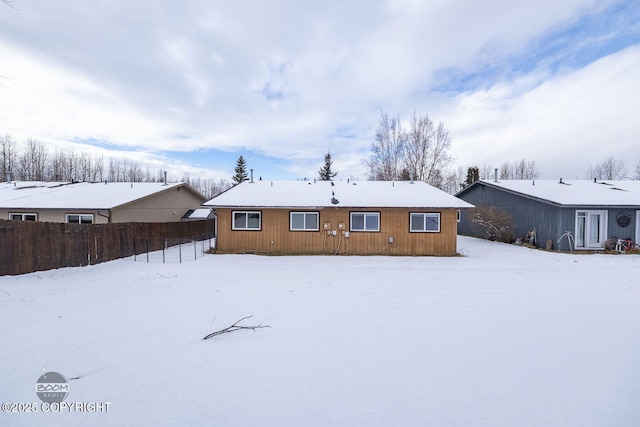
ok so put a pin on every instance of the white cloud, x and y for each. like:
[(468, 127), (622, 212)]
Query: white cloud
[(287, 79), (566, 123)]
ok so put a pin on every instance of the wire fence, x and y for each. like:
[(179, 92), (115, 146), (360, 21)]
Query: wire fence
[(173, 250)]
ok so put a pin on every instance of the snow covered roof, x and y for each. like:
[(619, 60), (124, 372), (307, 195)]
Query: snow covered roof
[(200, 213), (83, 195), (575, 192), (353, 194)]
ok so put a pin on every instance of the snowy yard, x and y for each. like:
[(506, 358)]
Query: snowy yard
[(501, 336)]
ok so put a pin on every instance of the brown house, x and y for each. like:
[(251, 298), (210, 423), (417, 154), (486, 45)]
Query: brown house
[(343, 217), (97, 203)]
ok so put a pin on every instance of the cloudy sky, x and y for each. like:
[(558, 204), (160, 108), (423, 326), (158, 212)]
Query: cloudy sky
[(188, 86)]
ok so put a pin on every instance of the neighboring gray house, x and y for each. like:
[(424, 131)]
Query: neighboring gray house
[(592, 211)]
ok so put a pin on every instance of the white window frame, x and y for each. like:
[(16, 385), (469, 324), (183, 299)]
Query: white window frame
[(425, 216), (246, 226), (80, 216), (304, 221), (590, 240), (364, 229), (22, 216)]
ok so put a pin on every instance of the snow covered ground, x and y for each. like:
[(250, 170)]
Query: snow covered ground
[(501, 336)]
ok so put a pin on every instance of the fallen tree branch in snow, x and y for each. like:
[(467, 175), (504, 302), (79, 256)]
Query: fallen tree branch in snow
[(235, 327)]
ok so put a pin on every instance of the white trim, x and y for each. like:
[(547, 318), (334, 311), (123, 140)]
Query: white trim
[(365, 214), (80, 216), (590, 238), (425, 216), (246, 228), (304, 220), (22, 216)]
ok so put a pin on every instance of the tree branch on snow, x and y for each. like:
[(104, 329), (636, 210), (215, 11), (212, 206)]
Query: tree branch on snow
[(235, 327)]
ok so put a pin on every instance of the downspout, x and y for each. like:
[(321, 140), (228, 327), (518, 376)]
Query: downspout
[(105, 216)]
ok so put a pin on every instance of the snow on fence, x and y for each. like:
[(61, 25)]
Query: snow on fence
[(28, 246)]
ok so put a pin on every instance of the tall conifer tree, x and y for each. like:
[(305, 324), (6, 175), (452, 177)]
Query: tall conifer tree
[(241, 171)]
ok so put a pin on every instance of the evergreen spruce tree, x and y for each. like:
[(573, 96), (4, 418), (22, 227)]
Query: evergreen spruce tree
[(241, 171), (473, 175), (325, 173)]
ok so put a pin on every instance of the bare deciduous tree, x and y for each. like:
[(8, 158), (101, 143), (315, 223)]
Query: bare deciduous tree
[(611, 169), (208, 187), (487, 171), (454, 181), (386, 150), (521, 169), (8, 156), (425, 149), (32, 163), (421, 151)]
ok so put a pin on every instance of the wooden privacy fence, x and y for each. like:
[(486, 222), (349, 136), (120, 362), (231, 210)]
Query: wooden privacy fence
[(28, 246)]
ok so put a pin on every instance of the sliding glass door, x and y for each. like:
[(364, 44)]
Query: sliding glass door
[(591, 229)]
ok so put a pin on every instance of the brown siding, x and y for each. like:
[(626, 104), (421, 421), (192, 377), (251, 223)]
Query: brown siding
[(275, 237)]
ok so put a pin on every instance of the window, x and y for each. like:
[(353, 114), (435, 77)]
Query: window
[(591, 229), (424, 222), (80, 218), (246, 220), (22, 217), (365, 221), (304, 221)]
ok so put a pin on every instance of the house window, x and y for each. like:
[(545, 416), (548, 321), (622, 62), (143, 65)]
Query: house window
[(247, 220), (22, 217), (591, 229), (458, 215), (304, 221), (365, 221), (424, 222), (80, 218)]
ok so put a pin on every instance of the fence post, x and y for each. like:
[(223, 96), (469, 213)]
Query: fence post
[(147, 246), (180, 250), (163, 249), (195, 249)]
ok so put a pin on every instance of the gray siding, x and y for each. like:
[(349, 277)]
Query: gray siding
[(550, 221), (615, 230)]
